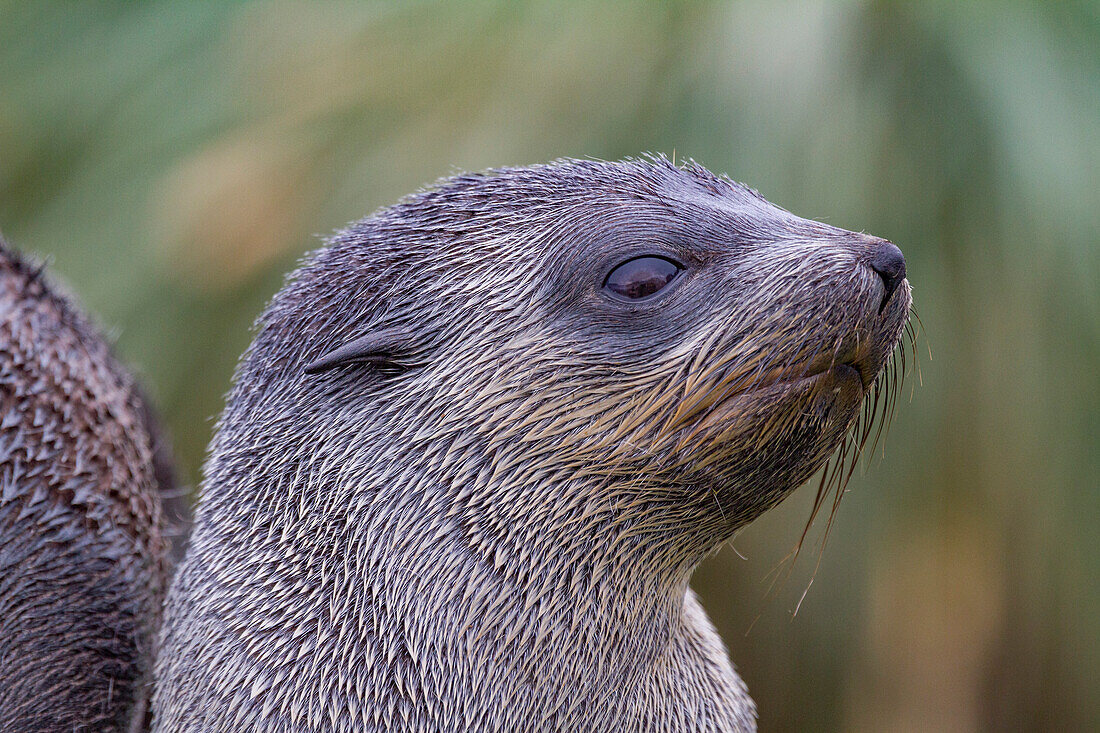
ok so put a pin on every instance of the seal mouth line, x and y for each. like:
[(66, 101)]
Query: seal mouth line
[(789, 375), (732, 388)]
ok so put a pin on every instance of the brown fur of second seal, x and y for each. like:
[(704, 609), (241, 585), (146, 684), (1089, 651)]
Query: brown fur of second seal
[(83, 557)]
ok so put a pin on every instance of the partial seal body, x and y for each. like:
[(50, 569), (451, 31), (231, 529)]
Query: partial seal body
[(82, 555), (483, 438)]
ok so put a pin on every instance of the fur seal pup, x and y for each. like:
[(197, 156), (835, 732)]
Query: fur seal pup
[(483, 437), (82, 548)]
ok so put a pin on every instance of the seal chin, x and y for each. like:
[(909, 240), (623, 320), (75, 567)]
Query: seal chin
[(843, 384)]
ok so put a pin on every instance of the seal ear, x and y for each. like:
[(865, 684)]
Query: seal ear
[(388, 348)]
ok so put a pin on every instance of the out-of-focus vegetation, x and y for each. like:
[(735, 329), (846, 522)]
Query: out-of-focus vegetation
[(174, 159)]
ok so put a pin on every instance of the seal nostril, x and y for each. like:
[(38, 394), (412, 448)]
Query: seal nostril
[(889, 263)]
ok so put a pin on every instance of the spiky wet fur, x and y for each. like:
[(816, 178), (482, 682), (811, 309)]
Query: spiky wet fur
[(499, 534), (83, 559)]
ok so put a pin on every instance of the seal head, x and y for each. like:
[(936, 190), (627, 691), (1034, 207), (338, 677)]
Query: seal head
[(483, 438)]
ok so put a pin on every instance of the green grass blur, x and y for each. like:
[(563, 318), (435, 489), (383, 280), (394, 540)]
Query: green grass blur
[(174, 159)]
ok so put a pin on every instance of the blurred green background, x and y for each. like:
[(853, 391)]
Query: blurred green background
[(174, 159)]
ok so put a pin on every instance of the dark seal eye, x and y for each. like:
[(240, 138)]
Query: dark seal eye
[(642, 276)]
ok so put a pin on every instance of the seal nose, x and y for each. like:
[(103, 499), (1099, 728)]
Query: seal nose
[(888, 261)]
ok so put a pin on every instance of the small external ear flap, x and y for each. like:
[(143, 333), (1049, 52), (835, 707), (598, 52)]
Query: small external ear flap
[(384, 348)]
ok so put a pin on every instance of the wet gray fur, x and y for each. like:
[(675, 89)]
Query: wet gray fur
[(495, 530)]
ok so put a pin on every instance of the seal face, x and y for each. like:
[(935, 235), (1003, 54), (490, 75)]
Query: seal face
[(483, 438), (82, 556)]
